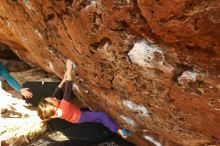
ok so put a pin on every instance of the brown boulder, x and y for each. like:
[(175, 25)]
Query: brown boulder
[(151, 65)]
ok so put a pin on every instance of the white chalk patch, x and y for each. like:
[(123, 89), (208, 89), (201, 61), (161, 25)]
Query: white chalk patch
[(74, 65), (52, 52), (93, 3), (51, 65), (128, 120), (106, 46), (76, 87), (187, 76), (27, 3), (152, 140), (143, 54), (142, 110), (38, 33)]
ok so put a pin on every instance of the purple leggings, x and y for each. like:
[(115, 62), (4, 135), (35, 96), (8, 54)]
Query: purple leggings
[(98, 117)]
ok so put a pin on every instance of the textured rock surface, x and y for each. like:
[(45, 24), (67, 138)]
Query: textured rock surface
[(152, 65)]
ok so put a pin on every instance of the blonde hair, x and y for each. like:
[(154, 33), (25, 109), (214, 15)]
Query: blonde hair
[(45, 110)]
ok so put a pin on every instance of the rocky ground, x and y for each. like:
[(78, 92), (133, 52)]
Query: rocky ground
[(20, 124)]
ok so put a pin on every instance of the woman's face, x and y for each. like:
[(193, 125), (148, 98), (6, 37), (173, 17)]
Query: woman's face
[(52, 100)]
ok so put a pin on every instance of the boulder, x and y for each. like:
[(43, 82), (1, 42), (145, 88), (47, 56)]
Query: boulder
[(150, 65)]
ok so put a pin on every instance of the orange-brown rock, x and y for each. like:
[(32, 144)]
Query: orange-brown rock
[(152, 65)]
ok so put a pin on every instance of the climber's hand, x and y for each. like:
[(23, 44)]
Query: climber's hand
[(26, 93), (1, 78), (69, 65)]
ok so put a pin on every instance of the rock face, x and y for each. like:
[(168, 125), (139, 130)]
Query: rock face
[(153, 66)]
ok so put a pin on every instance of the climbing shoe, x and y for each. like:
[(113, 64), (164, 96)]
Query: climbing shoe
[(126, 132)]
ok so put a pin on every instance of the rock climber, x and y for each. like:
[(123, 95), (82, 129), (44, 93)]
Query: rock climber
[(51, 107)]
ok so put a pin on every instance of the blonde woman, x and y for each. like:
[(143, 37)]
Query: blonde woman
[(51, 107)]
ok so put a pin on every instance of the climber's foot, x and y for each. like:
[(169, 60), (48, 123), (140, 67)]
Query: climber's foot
[(124, 133)]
